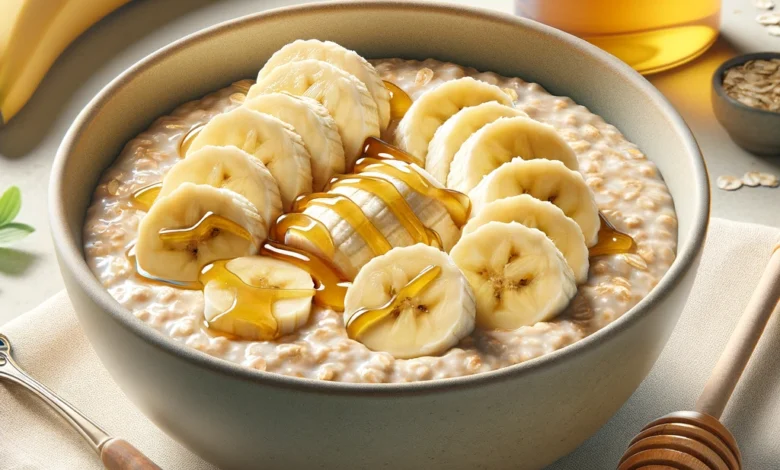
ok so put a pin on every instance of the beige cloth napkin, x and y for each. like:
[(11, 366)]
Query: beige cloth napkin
[(50, 345)]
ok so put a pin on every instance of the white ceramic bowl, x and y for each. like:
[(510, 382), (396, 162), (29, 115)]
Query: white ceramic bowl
[(524, 416)]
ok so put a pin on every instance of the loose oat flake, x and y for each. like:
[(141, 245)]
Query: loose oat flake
[(774, 30), (752, 179), (768, 19), (729, 183), (769, 180), (756, 83), (764, 4)]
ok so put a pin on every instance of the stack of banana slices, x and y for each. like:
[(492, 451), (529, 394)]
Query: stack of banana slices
[(305, 121), (521, 254)]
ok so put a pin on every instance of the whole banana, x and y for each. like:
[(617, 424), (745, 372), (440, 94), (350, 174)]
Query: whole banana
[(33, 33)]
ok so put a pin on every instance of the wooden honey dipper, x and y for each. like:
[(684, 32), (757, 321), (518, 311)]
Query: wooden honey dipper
[(696, 440)]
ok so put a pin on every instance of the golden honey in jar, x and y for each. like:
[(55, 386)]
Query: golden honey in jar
[(649, 35)]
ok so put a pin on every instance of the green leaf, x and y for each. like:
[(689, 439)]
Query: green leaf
[(10, 203), (14, 231)]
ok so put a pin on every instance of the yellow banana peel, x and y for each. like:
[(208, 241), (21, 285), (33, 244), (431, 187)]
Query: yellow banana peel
[(33, 33)]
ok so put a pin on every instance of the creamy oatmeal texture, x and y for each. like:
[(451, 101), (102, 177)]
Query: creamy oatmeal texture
[(627, 188)]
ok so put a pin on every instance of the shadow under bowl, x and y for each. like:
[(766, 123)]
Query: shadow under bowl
[(755, 130)]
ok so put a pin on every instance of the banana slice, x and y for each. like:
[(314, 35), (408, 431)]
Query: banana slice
[(436, 106), (518, 276), (545, 180), (229, 168), (501, 141), (288, 296), (542, 215), (453, 133), (410, 302), (266, 138), (431, 212), (346, 98), (224, 225), (338, 56), (351, 249), (316, 127)]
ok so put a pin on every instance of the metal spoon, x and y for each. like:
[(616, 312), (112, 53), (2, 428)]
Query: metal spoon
[(115, 453)]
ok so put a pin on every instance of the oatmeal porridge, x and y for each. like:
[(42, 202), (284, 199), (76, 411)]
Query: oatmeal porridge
[(389, 272)]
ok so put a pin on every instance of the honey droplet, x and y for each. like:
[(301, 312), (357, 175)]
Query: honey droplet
[(457, 204), (611, 241), (145, 197), (250, 314), (330, 287), (365, 318), (209, 226), (186, 141), (351, 212), (400, 102)]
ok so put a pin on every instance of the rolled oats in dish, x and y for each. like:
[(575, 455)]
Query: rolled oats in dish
[(626, 187), (756, 83)]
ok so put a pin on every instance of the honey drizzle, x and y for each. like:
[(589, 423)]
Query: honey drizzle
[(400, 102), (351, 212), (456, 203), (611, 241), (381, 150), (186, 141), (209, 226), (141, 274), (329, 286), (145, 197), (394, 200), (306, 226), (251, 305), (364, 318)]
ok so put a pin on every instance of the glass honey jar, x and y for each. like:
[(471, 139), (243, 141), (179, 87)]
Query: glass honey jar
[(649, 35)]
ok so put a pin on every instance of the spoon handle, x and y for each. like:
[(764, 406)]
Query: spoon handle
[(90, 431), (118, 454), (735, 357)]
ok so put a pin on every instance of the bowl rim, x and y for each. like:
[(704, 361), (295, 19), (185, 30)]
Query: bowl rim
[(72, 259), (717, 82)]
